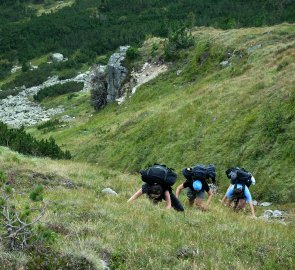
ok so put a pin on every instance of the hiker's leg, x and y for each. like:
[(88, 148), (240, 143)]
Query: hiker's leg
[(229, 202), (200, 197), (199, 202), (241, 204), (191, 195), (176, 203)]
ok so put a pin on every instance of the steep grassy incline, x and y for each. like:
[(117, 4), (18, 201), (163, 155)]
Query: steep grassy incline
[(82, 225), (241, 114)]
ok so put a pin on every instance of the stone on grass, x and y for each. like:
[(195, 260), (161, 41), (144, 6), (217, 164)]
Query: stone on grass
[(265, 204), (109, 191)]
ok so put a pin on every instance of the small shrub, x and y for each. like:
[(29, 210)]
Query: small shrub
[(180, 39), (155, 48), (16, 224), (31, 77), (37, 194), (50, 125), (19, 140), (67, 74), (132, 53), (59, 89), (11, 92)]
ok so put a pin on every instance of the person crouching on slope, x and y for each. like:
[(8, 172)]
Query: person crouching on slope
[(239, 194), (195, 189), (239, 176), (156, 193)]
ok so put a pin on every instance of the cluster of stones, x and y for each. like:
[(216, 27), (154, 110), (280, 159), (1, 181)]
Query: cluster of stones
[(19, 110)]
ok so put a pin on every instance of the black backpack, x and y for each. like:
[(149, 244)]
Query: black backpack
[(239, 176), (159, 174), (202, 172)]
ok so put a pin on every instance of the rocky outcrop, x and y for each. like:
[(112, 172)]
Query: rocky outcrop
[(20, 110), (148, 72), (116, 74), (98, 87)]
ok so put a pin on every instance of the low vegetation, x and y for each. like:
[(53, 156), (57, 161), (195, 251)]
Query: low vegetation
[(19, 140), (58, 89), (82, 225), (207, 113), (31, 29)]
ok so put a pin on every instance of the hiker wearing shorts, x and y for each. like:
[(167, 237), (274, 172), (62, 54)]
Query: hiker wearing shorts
[(240, 195), (195, 190), (232, 174)]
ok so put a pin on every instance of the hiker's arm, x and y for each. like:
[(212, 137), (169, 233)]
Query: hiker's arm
[(179, 188), (252, 209), (210, 195), (135, 195), (167, 199), (224, 197)]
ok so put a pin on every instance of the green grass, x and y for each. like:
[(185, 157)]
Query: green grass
[(84, 222), (242, 114)]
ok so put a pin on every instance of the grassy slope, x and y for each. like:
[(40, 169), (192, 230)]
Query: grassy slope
[(239, 115), (141, 235)]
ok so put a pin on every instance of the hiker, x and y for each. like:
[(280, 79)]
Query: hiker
[(196, 184), (238, 175), (156, 193), (240, 195), (158, 181)]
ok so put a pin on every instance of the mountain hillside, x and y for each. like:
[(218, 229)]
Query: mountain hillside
[(84, 30), (232, 103), (83, 228), (214, 83)]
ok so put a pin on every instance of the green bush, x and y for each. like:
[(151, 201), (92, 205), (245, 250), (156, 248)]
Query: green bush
[(132, 53), (67, 74), (10, 92), (37, 194), (19, 140), (31, 77), (59, 89), (50, 125), (180, 39)]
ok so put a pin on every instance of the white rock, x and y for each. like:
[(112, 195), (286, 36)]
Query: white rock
[(277, 214), (15, 69), (224, 63), (57, 57), (255, 203), (109, 191), (265, 204), (268, 214)]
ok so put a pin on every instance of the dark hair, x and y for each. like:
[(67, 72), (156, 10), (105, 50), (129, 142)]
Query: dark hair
[(155, 189), (154, 192)]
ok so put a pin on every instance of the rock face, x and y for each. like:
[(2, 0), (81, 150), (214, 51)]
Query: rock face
[(116, 74), (99, 87)]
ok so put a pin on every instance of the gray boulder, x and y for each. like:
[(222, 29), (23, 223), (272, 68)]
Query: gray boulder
[(57, 57)]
